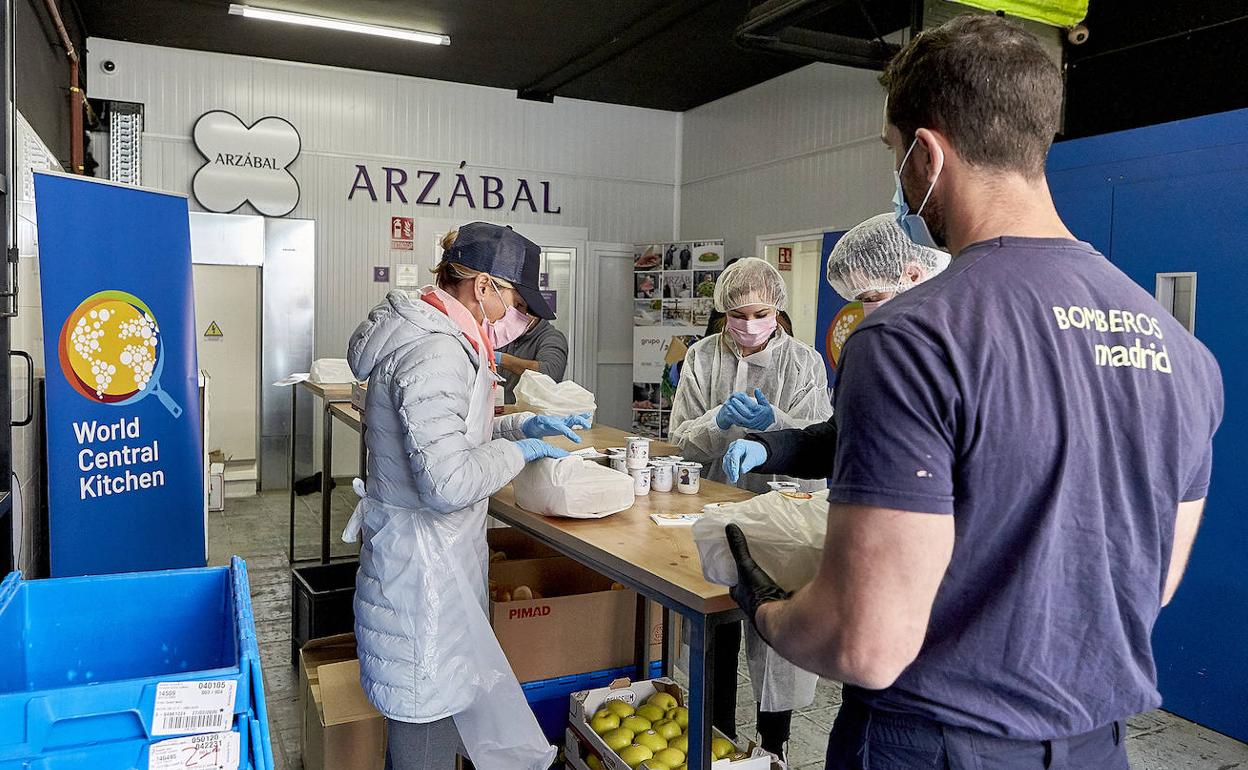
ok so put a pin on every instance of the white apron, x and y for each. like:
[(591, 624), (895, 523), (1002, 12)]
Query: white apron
[(778, 684), (432, 568)]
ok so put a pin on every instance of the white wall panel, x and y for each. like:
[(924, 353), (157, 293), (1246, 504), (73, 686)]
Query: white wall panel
[(800, 151), (611, 168)]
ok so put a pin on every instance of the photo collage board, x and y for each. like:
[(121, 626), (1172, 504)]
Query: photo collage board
[(673, 290)]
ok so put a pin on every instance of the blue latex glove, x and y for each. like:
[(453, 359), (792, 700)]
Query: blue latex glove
[(751, 413), (544, 425), (743, 456), (730, 413), (757, 413), (498, 358), (536, 449)]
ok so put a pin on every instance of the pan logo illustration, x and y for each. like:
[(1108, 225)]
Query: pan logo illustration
[(112, 352), (839, 330), (246, 164)]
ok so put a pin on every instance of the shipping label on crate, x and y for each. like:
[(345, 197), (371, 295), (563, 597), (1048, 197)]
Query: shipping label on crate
[(215, 751), (193, 707)]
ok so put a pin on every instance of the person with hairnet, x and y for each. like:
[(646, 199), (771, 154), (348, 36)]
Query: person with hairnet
[(875, 261), (872, 263), (753, 376)]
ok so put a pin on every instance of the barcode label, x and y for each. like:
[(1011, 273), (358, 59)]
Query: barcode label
[(218, 751), (193, 707)]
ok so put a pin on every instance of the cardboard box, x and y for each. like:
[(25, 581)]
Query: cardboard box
[(581, 742), (579, 625), (359, 395), (516, 545), (341, 729)]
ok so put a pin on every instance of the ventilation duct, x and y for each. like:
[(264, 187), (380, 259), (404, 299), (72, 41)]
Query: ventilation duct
[(775, 26)]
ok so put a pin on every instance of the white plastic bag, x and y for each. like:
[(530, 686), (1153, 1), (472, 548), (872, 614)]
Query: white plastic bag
[(785, 531), (331, 371), (537, 392), (573, 488)]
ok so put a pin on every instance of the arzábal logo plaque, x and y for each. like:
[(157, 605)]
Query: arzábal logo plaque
[(246, 164)]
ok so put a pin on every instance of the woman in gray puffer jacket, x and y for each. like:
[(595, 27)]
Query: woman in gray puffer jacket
[(428, 659)]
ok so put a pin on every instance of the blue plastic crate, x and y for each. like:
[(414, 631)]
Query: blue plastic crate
[(133, 754), (80, 658), (549, 698)]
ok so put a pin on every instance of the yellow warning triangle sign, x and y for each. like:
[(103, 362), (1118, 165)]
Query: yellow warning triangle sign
[(213, 330)]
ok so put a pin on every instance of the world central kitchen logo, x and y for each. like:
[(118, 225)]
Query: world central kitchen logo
[(246, 164)]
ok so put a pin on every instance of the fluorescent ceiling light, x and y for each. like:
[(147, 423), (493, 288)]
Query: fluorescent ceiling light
[(415, 36)]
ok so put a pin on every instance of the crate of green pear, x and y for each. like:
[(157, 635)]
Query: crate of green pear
[(644, 726)]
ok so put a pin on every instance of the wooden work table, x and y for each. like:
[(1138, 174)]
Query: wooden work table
[(660, 563)]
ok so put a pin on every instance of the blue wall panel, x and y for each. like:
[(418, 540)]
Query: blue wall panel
[(829, 304), (1171, 198)]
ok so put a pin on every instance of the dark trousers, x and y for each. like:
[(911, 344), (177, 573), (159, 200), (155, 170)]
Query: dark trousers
[(868, 739), (773, 726)]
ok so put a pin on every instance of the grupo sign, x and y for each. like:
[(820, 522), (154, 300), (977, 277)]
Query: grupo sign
[(246, 164), (429, 187)]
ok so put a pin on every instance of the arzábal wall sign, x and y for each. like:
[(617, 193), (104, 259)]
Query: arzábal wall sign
[(125, 477), (246, 164), (430, 187)]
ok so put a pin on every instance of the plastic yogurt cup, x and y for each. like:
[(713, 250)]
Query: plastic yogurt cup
[(688, 478), (618, 462), (638, 452), (661, 475), (641, 481)]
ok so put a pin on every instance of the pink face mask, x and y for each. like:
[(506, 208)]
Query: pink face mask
[(751, 332), (870, 307), (508, 328)]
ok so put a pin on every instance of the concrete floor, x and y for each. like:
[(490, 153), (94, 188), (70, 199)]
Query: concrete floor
[(256, 529)]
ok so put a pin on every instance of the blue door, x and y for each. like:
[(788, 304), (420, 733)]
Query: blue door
[(1174, 198)]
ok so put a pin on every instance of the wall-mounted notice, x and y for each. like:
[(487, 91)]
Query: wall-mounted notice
[(673, 286), (125, 469), (402, 233)]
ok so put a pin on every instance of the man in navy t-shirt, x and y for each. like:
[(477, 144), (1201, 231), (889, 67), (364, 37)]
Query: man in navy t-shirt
[(1023, 454)]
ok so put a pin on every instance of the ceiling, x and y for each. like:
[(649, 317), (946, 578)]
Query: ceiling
[(663, 54), (1153, 61)]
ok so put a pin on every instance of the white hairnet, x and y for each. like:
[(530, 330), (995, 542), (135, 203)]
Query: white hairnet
[(750, 281), (873, 256)]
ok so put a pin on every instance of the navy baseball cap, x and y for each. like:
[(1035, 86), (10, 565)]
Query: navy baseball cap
[(503, 253)]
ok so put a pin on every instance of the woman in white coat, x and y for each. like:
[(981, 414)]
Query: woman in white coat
[(428, 659), (754, 376)]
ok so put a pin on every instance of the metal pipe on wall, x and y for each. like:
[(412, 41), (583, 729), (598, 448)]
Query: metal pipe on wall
[(76, 96)]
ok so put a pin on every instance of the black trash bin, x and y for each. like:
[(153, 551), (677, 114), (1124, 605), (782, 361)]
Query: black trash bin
[(323, 597)]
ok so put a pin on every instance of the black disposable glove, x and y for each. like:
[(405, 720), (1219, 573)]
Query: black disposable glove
[(754, 587)]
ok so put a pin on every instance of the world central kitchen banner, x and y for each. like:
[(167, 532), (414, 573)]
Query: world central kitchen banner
[(125, 472)]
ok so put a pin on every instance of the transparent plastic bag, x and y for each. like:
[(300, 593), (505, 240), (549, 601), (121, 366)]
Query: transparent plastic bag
[(537, 392), (785, 531), (573, 488)]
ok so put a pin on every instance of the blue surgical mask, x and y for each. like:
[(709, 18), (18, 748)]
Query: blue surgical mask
[(912, 224)]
